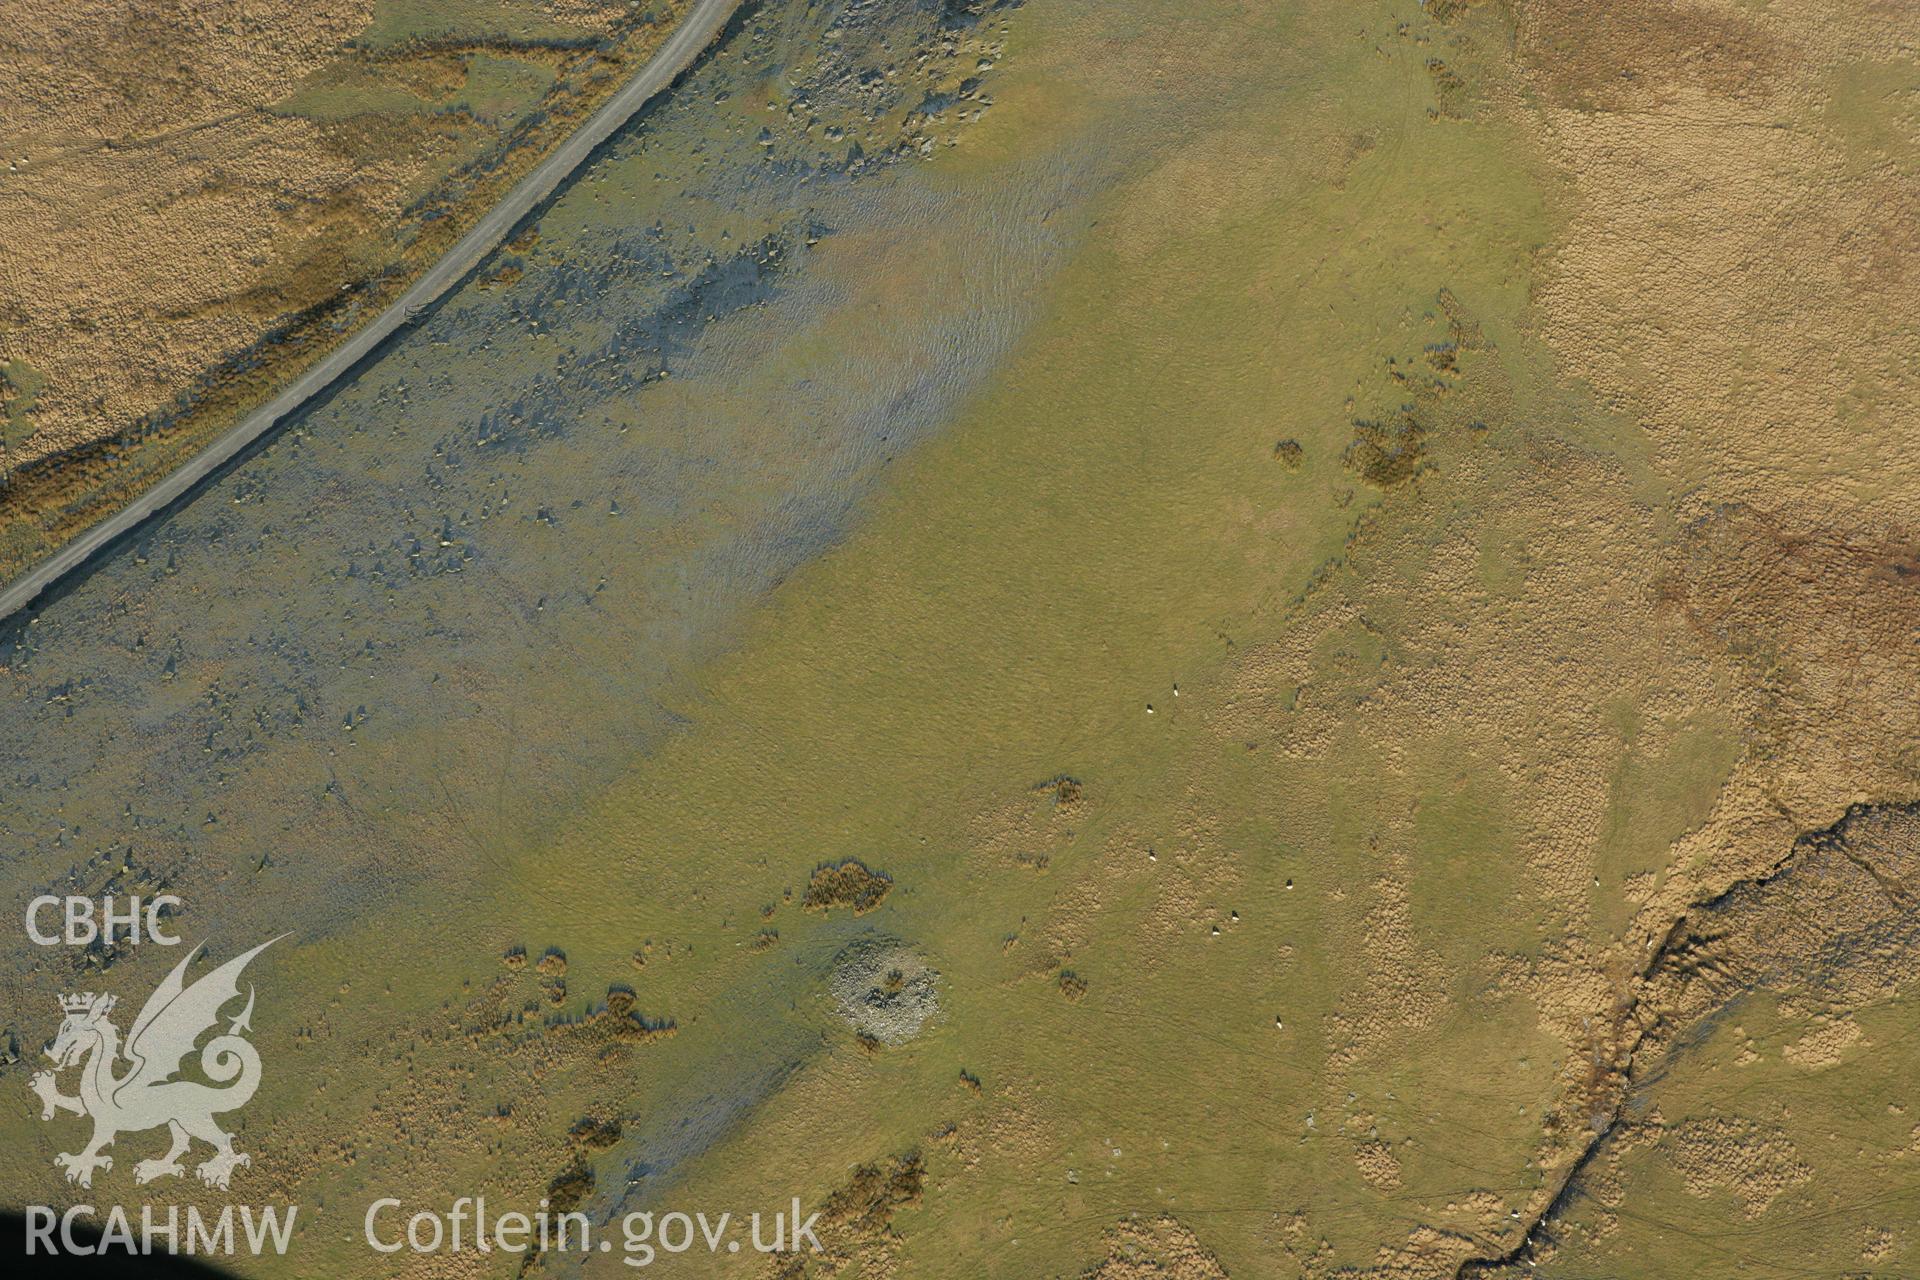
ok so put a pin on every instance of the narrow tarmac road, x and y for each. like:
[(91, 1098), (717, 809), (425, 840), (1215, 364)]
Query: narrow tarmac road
[(693, 34)]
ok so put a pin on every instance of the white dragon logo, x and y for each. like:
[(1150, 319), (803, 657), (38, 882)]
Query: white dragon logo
[(147, 1096)]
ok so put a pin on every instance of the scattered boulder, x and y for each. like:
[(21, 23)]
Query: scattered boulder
[(885, 991)]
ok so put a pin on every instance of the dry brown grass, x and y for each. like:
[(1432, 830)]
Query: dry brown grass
[(167, 214), (1161, 1249), (845, 884)]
